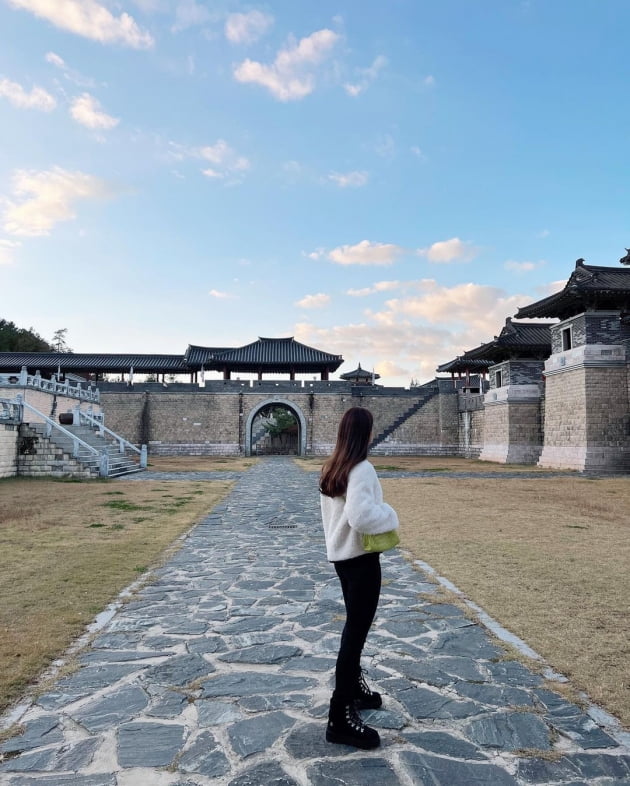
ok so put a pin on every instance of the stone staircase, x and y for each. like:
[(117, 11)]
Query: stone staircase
[(119, 463), (417, 405)]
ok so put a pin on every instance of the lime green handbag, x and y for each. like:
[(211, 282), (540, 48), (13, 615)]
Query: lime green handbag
[(381, 542)]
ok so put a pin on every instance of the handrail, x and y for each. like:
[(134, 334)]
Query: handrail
[(122, 442), (76, 441), (24, 379), (9, 411)]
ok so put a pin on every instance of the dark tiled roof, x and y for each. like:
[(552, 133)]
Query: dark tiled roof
[(199, 356), (272, 354), (73, 361), (521, 338), (278, 353), (464, 364), (359, 373), (607, 286)]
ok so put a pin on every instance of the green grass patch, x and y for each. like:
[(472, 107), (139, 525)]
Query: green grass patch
[(121, 504)]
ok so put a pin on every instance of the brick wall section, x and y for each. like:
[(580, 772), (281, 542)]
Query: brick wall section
[(431, 431), (587, 420), (512, 433), (470, 432), (592, 328), (195, 422), (44, 401), (8, 450), (517, 372)]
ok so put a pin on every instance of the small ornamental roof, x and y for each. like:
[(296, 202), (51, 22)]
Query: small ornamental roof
[(359, 373), (464, 364), (588, 287)]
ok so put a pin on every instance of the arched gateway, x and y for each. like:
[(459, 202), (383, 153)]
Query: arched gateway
[(266, 405)]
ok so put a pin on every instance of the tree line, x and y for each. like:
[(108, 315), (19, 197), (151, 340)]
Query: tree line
[(17, 339)]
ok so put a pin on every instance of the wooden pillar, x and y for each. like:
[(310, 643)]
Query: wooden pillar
[(260, 373), (226, 373), (325, 374), (292, 374)]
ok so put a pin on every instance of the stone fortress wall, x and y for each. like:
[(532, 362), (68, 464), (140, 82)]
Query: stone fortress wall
[(571, 411), (185, 420)]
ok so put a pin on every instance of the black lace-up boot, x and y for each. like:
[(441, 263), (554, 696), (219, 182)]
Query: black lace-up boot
[(345, 726), (365, 698)]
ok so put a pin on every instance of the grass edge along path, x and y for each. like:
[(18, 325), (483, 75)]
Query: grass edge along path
[(68, 549), (546, 557)]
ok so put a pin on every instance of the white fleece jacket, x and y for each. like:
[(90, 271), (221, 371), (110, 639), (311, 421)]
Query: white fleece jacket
[(361, 510)]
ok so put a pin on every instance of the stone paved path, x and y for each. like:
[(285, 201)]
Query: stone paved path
[(218, 672)]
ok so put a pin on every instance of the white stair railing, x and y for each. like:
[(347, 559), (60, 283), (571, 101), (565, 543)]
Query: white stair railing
[(77, 442), (25, 380), (9, 411), (80, 416)]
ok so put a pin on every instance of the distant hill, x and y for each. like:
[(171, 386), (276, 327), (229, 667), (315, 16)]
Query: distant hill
[(15, 339)]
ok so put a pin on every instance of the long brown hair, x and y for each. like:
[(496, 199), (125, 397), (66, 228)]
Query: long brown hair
[(353, 439)]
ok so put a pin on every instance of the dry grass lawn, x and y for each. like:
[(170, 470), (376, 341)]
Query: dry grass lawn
[(547, 557), (200, 464), (66, 551), (435, 464)]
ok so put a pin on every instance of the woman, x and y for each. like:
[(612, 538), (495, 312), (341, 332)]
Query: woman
[(352, 504)]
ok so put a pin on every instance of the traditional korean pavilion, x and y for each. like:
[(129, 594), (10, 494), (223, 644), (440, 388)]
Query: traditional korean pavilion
[(264, 356), (360, 376), (589, 288), (517, 340), (586, 374)]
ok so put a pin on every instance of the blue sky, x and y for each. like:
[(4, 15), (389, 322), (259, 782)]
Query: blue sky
[(386, 181)]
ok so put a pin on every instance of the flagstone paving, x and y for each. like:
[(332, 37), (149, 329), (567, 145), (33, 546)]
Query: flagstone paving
[(219, 672)]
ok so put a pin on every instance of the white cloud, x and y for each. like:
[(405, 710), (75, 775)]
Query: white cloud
[(220, 295), (317, 254), (387, 369), (551, 288), (523, 267), (189, 13), (429, 81), (479, 307), (291, 75), (6, 251), (379, 286), (349, 179), (37, 98), (226, 163), (55, 60), (417, 152), (366, 76), (87, 111), (400, 348), (366, 253), (42, 199), (543, 233), (70, 74), (224, 159), (247, 28), (449, 250), (90, 19), (414, 334), (313, 301), (385, 146)]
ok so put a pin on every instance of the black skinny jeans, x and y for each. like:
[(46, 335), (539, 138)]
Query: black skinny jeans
[(360, 579)]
